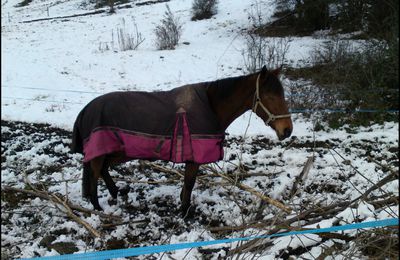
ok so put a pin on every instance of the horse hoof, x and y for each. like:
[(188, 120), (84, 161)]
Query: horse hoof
[(112, 201), (98, 208), (114, 193), (96, 205), (187, 212)]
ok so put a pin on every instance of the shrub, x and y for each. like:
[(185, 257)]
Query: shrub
[(24, 3), (127, 40), (375, 18), (367, 78), (260, 51), (104, 3), (298, 17), (378, 19), (349, 79), (203, 9), (168, 32)]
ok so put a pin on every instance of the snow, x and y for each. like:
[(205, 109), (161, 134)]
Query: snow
[(52, 69)]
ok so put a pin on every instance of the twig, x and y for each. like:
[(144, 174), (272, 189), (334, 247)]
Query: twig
[(58, 201), (256, 193), (386, 202), (110, 225), (64, 17), (43, 195), (387, 179), (251, 190), (385, 167), (302, 176), (164, 169)]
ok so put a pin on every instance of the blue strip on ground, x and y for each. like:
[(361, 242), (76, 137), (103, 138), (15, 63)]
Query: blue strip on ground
[(109, 254)]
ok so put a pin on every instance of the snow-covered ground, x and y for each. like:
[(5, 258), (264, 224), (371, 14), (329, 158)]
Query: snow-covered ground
[(52, 68)]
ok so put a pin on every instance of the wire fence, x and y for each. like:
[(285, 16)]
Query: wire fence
[(292, 110)]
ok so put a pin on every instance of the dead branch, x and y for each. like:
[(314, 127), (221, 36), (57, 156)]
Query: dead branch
[(63, 202), (64, 17), (110, 225), (302, 176), (387, 179), (313, 215), (255, 192), (386, 202), (163, 169), (43, 195), (58, 201), (385, 167), (231, 181)]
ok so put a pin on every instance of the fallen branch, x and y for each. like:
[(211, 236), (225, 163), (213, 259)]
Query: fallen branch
[(43, 195), (64, 17), (230, 180), (302, 176), (385, 167), (256, 193), (110, 225), (391, 177), (151, 2), (57, 201), (163, 169)]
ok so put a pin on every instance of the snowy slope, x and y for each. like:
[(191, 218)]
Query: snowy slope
[(60, 57)]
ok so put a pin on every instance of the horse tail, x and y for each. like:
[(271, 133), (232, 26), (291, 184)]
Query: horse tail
[(86, 180), (77, 141)]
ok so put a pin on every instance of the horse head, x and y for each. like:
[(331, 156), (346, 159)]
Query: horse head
[(269, 103)]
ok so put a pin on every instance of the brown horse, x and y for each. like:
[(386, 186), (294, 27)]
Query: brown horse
[(184, 125)]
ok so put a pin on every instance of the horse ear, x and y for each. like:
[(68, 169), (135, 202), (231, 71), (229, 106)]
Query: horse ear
[(264, 70)]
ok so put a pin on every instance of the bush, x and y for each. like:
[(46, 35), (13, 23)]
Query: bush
[(349, 79), (367, 78), (127, 40), (377, 19), (260, 51), (104, 3), (24, 3), (169, 32), (203, 9), (298, 18)]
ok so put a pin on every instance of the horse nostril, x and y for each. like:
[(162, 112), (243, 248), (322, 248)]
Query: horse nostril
[(287, 132)]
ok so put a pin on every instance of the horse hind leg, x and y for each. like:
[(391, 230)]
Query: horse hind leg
[(96, 166), (112, 188)]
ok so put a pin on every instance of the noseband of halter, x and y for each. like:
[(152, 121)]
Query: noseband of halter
[(257, 102)]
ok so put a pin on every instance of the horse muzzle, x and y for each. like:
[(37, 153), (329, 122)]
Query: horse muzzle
[(283, 128), (285, 134)]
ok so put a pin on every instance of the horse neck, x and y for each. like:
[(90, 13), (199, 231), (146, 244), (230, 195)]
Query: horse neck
[(230, 98)]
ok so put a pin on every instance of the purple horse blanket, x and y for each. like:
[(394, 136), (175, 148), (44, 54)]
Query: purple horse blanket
[(177, 125)]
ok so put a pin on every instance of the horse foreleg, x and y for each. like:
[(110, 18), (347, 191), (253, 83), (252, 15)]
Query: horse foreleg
[(189, 181), (96, 166), (112, 188)]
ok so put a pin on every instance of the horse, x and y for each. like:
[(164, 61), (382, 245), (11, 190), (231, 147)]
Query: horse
[(183, 125)]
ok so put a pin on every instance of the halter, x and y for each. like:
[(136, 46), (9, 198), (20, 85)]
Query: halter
[(271, 117)]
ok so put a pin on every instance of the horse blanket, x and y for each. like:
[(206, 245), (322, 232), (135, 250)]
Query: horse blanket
[(177, 125)]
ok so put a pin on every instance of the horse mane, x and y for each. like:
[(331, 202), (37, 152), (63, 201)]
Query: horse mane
[(222, 88)]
